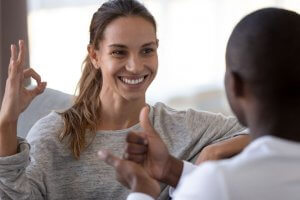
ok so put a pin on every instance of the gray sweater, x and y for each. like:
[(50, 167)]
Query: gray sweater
[(45, 168)]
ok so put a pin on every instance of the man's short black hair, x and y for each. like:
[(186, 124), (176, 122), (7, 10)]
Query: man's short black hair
[(264, 50)]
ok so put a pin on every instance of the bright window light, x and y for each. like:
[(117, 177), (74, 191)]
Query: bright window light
[(192, 39)]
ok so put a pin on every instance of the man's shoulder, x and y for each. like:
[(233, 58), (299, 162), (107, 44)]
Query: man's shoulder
[(205, 182)]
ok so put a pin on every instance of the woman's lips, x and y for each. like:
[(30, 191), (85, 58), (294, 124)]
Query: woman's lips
[(133, 80)]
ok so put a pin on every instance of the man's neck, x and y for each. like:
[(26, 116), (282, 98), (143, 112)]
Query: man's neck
[(280, 128)]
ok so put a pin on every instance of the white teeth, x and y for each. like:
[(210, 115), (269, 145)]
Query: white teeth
[(132, 81)]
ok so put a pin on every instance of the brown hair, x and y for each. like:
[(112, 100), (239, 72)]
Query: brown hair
[(84, 115)]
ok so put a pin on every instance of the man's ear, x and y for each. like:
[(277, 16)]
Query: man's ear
[(93, 55), (237, 84)]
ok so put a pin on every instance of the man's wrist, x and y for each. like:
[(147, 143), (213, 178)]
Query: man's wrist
[(173, 171), (147, 186)]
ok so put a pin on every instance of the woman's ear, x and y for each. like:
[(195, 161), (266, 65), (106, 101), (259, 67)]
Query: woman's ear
[(93, 55)]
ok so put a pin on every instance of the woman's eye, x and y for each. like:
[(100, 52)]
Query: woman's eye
[(118, 53), (148, 50)]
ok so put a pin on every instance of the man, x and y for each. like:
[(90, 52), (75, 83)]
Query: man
[(262, 83)]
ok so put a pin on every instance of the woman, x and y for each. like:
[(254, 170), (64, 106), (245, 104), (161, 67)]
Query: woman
[(61, 161)]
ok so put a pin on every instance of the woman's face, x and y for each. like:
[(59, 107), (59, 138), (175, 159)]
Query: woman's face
[(127, 57)]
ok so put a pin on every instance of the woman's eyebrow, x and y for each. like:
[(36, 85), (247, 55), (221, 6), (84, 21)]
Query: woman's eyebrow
[(124, 46), (118, 45), (149, 44)]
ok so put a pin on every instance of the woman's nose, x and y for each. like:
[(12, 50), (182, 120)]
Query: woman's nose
[(134, 65)]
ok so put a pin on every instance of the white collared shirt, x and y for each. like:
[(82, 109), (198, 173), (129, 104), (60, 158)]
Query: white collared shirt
[(267, 169)]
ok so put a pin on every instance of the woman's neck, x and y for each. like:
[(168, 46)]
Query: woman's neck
[(118, 113)]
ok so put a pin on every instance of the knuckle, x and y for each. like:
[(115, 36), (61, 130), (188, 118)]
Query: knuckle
[(125, 155), (140, 140), (130, 137), (143, 149), (130, 157), (130, 148), (126, 147), (137, 159), (26, 70)]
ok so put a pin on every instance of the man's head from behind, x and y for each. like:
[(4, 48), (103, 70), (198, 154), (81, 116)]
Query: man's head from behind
[(263, 67)]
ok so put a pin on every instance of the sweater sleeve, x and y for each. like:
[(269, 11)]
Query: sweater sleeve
[(19, 178), (207, 128), (213, 127), (25, 175), (186, 133)]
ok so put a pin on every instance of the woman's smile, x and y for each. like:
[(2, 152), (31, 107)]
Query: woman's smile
[(136, 81)]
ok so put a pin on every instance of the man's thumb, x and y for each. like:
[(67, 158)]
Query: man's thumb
[(144, 120)]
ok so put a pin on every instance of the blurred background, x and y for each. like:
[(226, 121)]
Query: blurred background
[(192, 33)]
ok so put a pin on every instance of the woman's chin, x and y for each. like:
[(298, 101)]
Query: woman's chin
[(134, 96)]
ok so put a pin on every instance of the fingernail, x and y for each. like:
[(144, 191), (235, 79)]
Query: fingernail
[(101, 154), (145, 142)]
